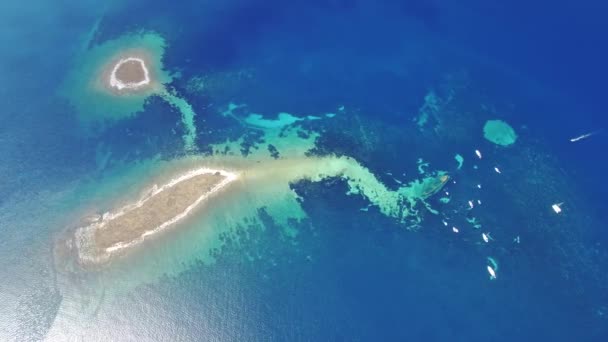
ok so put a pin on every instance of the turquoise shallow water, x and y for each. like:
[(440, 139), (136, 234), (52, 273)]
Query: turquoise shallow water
[(305, 247)]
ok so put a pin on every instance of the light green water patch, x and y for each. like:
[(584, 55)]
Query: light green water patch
[(283, 119), (499, 132), (421, 166), (284, 134), (422, 119), (188, 115), (444, 200), (430, 109), (330, 115), (259, 121), (429, 208), (474, 222), (231, 111), (459, 160), (231, 108)]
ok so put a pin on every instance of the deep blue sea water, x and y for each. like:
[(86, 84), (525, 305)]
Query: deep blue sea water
[(351, 274)]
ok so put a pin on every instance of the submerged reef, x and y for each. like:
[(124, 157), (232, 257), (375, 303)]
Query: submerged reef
[(499, 132)]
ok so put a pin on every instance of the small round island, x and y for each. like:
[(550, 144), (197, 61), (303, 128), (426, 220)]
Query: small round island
[(112, 81), (129, 73)]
